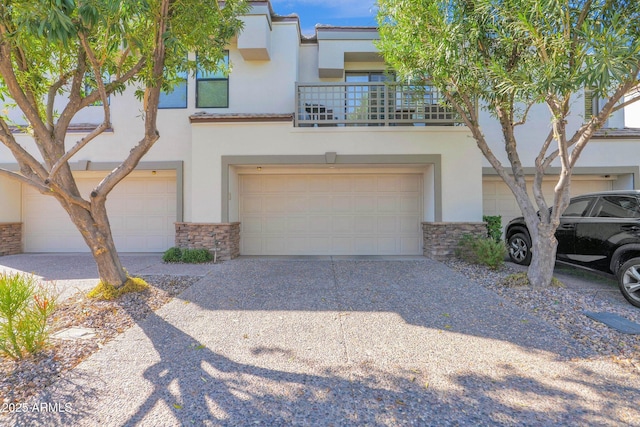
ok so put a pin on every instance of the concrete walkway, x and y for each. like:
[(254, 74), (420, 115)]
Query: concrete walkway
[(339, 342), (69, 273)]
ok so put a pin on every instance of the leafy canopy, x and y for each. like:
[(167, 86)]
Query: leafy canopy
[(522, 50), (51, 40)]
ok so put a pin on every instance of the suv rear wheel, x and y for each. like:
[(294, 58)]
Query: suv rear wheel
[(629, 281), (519, 246)]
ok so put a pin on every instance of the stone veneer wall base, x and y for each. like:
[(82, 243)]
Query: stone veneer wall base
[(191, 235), (441, 238), (10, 238)]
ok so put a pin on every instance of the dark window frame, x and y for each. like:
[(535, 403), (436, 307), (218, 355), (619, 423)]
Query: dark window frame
[(215, 77)]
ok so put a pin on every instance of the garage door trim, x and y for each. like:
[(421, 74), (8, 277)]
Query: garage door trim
[(340, 159), (177, 166), (585, 170)]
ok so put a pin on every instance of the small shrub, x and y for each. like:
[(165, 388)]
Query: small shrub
[(172, 255), (105, 291), (196, 256), (188, 256), (494, 226), (481, 250), (25, 307)]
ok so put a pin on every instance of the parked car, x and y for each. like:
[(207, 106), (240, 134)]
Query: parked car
[(599, 231)]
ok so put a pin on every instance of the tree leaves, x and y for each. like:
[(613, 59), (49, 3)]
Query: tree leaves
[(510, 55), (525, 49), (44, 36)]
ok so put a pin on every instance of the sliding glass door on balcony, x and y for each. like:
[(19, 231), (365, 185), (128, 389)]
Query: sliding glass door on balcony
[(365, 103)]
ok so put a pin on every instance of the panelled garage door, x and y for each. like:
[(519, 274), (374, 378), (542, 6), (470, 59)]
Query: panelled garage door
[(142, 212), (341, 214), (498, 199)]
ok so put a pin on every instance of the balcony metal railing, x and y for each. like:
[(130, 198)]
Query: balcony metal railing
[(370, 104)]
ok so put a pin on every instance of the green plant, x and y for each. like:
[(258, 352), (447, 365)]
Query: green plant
[(494, 226), (481, 250), (172, 255), (195, 256), (25, 307), (189, 256)]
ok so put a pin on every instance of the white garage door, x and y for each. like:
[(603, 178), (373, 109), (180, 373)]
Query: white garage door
[(342, 214), (142, 212), (498, 200)]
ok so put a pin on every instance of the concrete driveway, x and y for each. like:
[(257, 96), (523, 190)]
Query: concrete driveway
[(340, 342)]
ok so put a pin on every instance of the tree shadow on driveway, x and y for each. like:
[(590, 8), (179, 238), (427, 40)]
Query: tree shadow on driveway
[(345, 343), (190, 384)]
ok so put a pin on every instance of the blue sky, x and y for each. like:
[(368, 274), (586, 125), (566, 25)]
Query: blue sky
[(331, 12)]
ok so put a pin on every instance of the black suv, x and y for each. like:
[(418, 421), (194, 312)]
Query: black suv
[(599, 231)]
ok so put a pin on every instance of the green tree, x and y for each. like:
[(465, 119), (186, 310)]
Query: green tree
[(49, 49), (508, 56)]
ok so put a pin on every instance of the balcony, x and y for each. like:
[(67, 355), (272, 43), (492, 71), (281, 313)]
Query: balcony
[(370, 104)]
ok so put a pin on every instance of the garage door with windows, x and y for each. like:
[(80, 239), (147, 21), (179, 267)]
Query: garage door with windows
[(141, 209), (331, 214)]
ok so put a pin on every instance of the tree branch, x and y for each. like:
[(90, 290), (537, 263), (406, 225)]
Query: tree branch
[(152, 95), (105, 105), (109, 87), (585, 132), (540, 159), (77, 147), (70, 198), (74, 96), (467, 111), (51, 97), (23, 157), (121, 61), (574, 34), (524, 116), (624, 104), (15, 89), (98, 75), (23, 179)]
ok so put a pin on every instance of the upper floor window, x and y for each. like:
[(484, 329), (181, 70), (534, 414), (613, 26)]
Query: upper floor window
[(591, 104), (212, 88), (367, 102), (366, 77), (177, 97)]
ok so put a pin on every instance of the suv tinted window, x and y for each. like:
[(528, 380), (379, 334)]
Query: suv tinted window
[(616, 207), (577, 207)]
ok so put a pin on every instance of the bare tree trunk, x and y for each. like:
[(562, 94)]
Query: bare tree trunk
[(543, 259), (110, 268), (96, 231)]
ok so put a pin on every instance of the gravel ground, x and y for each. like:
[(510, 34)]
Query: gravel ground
[(563, 308), (22, 379)]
